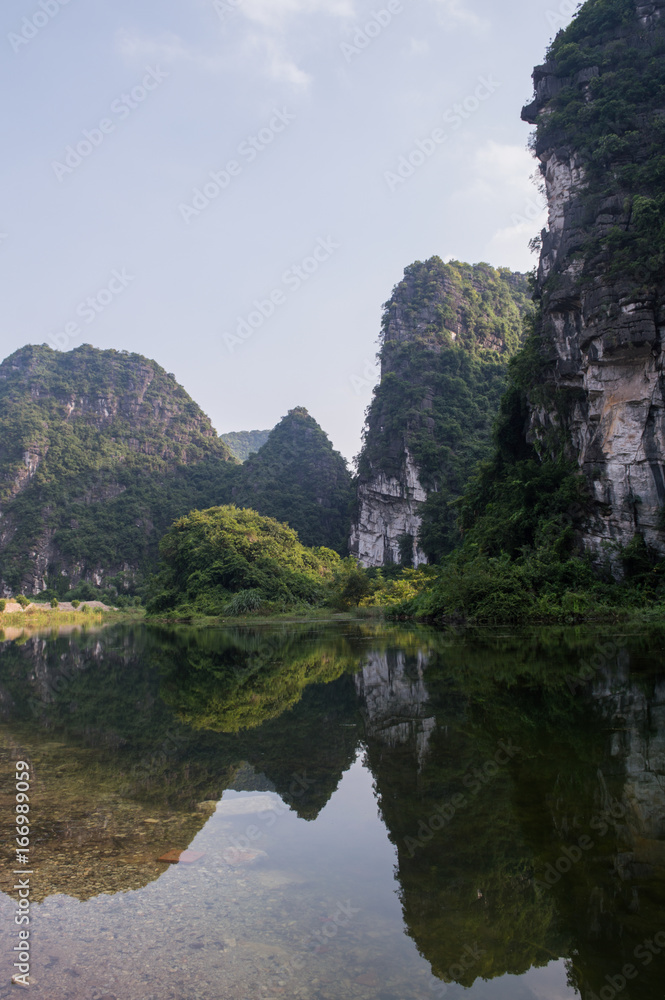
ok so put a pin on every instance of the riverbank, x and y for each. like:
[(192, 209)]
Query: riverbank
[(41, 615), (317, 616)]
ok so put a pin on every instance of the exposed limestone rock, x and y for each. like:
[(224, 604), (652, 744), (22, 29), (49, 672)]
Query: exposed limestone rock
[(602, 330), (388, 510), (446, 332)]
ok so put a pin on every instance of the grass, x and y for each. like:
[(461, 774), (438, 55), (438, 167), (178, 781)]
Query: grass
[(49, 616)]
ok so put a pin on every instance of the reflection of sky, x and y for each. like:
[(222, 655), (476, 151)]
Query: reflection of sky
[(176, 929)]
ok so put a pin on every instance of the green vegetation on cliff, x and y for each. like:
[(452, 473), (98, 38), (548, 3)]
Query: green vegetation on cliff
[(99, 452), (298, 478), (242, 444), (598, 110), (448, 333), (609, 110)]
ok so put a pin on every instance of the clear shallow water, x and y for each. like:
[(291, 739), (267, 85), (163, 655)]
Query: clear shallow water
[(372, 813)]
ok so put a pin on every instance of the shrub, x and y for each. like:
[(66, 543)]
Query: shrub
[(3, 605), (54, 604), (23, 601), (244, 602), (76, 604)]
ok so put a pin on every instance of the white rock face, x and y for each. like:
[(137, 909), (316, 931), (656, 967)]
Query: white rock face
[(389, 508), (602, 332)]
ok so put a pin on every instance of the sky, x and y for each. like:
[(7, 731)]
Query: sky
[(234, 187)]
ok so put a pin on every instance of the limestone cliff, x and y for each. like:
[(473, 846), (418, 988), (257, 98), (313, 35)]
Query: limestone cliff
[(599, 108), (99, 452), (448, 332)]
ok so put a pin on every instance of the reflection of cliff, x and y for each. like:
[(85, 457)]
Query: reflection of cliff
[(471, 835), (395, 699), (118, 777), (463, 866), (479, 831), (613, 899)]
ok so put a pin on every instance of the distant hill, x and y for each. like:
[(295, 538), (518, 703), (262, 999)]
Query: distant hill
[(99, 452), (242, 444), (298, 477)]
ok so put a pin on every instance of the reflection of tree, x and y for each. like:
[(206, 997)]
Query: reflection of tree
[(235, 680), (434, 707), (105, 691), (471, 884)]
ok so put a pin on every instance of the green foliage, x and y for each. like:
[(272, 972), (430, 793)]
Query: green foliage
[(387, 590), (448, 333), (298, 478), (210, 556), (54, 604), (118, 451), (611, 116), (22, 600), (3, 605), (591, 22), (351, 586), (242, 444), (76, 605), (244, 602)]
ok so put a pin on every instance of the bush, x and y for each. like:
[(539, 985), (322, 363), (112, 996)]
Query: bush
[(351, 586), (3, 605), (54, 604), (244, 602), (212, 556), (23, 601), (85, 609), (76, 605)]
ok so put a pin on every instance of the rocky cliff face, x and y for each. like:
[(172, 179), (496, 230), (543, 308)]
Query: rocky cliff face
[(448, 332), (389, 514), (599, 108), (99, 451)]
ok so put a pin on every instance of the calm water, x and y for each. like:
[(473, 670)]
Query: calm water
[(369, 812)]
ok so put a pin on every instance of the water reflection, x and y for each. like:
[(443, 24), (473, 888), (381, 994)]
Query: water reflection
[(525, 809)]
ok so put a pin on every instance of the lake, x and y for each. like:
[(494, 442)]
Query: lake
[(342, 810)]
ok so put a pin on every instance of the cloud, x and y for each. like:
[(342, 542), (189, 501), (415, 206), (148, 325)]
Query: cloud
[(457, 11), (274, 60), (262, 38), (274, 13), (501, 174)]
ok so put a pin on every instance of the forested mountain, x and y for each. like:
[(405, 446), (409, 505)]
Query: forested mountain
[(99, 452), (242, 444), (297, 477), (448, 333)]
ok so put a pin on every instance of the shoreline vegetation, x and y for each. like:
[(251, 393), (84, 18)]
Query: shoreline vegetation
[(37, 615)]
